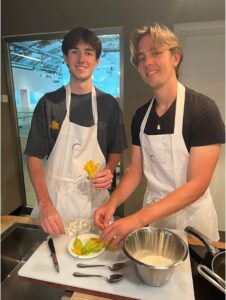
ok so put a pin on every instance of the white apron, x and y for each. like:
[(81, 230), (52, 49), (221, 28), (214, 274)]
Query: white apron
[(66, 180), (165, 161)]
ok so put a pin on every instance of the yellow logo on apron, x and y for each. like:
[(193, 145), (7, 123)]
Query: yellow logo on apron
[(55, 125)]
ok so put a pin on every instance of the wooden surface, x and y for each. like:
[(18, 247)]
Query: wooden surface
[(194, 241), (7, 221)]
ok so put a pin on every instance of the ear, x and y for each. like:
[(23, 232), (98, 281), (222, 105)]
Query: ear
[(65, 59), (97, 61), (176, 59)]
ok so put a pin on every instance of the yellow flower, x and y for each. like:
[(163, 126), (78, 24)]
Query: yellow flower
[(91, 168), (77, 251), (54, 125)]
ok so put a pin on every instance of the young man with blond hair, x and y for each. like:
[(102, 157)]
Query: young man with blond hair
[(176, 142)]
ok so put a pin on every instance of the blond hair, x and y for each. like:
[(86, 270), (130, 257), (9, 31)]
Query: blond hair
[(162, 37)]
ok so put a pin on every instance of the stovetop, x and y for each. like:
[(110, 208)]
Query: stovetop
[(203, 289)]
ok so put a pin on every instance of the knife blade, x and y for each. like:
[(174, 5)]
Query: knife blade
[(53, 254)]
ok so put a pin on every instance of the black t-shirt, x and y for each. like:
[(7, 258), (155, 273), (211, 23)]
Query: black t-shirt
[(202, 122), (50, 112)]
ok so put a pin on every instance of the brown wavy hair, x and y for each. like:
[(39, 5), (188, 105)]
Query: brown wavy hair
[(73, 37), (162, 37)]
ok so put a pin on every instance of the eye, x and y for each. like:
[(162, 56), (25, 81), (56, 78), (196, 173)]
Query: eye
[(74, 51), (89, 53), (154, 52), (140, 58)]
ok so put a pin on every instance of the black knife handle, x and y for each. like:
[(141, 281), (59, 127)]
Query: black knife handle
[(51, 246)]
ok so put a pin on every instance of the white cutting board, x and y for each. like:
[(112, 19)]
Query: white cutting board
[(40, 267)]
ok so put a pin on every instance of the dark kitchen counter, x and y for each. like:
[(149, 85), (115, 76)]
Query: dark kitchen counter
[(203, 289), (198, 254)]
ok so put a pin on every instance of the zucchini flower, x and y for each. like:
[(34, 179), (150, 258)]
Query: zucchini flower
[(91, 168)]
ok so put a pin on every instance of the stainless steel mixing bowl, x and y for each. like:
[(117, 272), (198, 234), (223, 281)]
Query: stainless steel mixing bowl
[(158, 242)]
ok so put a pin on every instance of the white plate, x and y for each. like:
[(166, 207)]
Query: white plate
[(84, 238)]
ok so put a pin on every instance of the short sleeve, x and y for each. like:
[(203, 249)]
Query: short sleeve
[(135, 130), (207, 127), (136, 123), (37, 143)]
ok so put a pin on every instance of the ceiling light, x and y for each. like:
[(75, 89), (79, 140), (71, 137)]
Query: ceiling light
[(25, 56)]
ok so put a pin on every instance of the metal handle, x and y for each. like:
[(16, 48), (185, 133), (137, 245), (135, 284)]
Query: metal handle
[(77, 274), (205, 271), (208, 243), (88, 266)]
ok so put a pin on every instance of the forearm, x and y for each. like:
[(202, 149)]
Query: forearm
[(37, 176), (104, 214), (129, 182), (172, 203), (201, 165), (49, 216), (112, 162), (175, 201), (131, 178)]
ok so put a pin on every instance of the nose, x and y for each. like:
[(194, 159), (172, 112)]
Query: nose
[(149, 59), (81, 56)]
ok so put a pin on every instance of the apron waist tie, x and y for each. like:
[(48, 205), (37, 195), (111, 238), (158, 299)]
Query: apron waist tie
[(65, 179)]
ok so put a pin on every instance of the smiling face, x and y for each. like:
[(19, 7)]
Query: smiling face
[(156, 68), (81, 61)]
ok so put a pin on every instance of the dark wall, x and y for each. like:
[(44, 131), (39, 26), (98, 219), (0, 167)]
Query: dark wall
[(29, 16), (39, 16)]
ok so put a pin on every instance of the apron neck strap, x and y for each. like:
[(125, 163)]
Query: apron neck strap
[(146, 115), (94, 105), (179, 110), (93, 100)]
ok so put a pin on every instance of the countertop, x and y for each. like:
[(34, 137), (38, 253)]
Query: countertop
[(203, 289), (7, 221)]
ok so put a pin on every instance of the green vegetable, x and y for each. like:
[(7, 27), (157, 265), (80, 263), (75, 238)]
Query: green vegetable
[(77, 246), (93, 245), (77, 243)]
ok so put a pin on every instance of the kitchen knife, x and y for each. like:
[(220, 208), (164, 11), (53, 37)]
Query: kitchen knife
[(53, 254)]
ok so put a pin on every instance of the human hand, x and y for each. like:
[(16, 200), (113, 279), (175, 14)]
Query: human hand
[(103, 215), (50, 220), (114, 233), (103, 179)]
